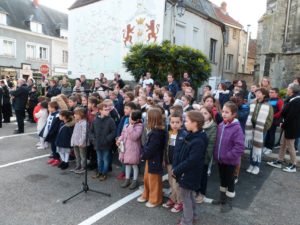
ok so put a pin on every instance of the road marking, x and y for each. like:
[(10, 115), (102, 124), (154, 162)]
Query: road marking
[(16, 135), (93, 219), (23, 161)]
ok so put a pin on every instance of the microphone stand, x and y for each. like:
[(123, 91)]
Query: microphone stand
[(85, 187)]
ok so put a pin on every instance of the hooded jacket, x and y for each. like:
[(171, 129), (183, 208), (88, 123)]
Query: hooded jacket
[(63, 138), (229, 145)]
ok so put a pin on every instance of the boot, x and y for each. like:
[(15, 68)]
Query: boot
[(134, 185), (221, 200), (126, 183), (227, 206)]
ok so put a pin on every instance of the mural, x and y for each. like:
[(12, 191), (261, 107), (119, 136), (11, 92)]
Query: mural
[(100, 37)]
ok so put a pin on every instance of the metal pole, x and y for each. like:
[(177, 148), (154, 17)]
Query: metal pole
[(246, 49)]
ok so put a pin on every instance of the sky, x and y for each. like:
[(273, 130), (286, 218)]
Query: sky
[(244, 11)]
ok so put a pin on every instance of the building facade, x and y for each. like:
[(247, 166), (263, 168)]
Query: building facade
[(32, 35), (141, 21), (278, 42), (236, 45)]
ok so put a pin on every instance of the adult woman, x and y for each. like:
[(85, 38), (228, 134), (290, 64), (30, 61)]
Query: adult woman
[(97, 88), (77, 87), (265, 83), (66, 87)]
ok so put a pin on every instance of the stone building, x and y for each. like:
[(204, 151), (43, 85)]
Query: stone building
[(100, 38), (278, 42)]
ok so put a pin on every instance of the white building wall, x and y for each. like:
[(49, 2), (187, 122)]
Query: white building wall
[(58, 66)]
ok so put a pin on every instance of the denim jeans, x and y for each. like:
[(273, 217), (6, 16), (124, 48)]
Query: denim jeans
[(103, 160)]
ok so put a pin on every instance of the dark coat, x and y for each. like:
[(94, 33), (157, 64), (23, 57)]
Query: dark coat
[(173, 87), (291, 117), (169, 150), (20, 97), (33, 99), (6, 96), (53, 91), (124, 121), (54, 128), (85, 85), (189, 161), (153, 150), (63, 138), (1, 99), (103, 133)]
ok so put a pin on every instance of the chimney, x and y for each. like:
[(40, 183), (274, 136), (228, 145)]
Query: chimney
[(224, 7), (36, 3)]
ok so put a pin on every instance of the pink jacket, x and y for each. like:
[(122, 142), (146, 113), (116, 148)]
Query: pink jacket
[(131, 137)]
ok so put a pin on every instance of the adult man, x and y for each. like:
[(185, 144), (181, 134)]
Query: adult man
[(6, 105), (20, 99), (186, 78), (147, 80), (290, 127), (1, 100), (172, 85), (118, 81), (84, 83), (53, 90)]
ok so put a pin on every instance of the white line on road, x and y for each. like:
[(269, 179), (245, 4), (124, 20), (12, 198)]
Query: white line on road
[(23, 161), (93, 219), (16, 135)]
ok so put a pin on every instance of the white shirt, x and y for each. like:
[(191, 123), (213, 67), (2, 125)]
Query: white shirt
[(147, 81)]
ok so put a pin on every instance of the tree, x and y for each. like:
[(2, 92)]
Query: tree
[(165, 58)]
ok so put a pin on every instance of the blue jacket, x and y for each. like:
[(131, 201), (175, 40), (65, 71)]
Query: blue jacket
[(63, 138), (189, 161), (124, 121), (173, 87), (243, 113), (153, 150), (54, 127)]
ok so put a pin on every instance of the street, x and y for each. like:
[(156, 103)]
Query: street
[(32, 193)]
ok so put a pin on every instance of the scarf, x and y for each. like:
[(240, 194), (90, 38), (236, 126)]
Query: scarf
[(254, 137), (208, 124)]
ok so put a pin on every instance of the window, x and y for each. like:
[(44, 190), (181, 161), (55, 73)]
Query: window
[(3, 18), (180, 34), (229, 62), (234, 33), (36, 27), (212, 50), (7, 47), (36, 51), (65, 57), (63, 33)]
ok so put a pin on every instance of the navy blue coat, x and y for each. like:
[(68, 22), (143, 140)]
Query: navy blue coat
[(189, 160), (20, 97), (53, 91), (173, 87), (63, 138), (51, 136), (153, 150)]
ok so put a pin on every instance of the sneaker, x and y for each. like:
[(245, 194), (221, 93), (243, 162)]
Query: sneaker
[(178, 207), (64, 166), (134, 184), (38, 144), (276, 164), (50, 161), (80, 171), (41, 148), (121, 176), (267, 151), (56, 162), (199, 198), (97, 175), (74, 169), (126, 183), (103, 177), (250, 168), (150, 205), (169, 204), (141, 199), (255, 170), (61, 164), (290, 169)]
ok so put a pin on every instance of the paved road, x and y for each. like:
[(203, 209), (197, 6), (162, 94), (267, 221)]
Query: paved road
[(32, 193)]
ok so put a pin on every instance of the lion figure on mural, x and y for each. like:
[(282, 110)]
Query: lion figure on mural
[(151, 30), (127, 34)]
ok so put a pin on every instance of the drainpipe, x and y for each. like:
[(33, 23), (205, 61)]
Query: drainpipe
[(246, 50), (287, 21)]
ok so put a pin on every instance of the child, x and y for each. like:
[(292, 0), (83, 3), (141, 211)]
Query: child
[(84, 102), (228, 150), (168, 101), (78, 140), (188, 162), (210, 128), (131, 139), (42, 116), (175, 138), (129, 107), (50, 131), (186, 103), (277, 104), (258, 123), (63, 139), (103, 132), (152, 152), (73, 103)]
